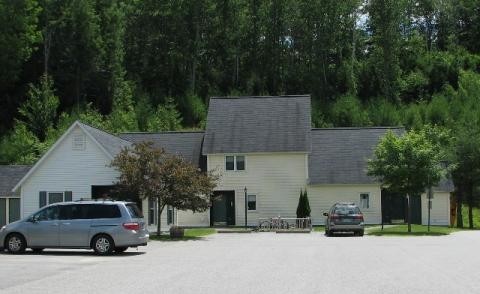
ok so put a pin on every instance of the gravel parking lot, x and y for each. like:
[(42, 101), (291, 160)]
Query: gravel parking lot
[(257, 263)]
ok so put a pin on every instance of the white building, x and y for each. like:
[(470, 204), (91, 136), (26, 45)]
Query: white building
[(262, 147)]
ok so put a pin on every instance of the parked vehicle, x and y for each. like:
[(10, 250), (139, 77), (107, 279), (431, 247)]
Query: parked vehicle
[(104, 226), (344, 217)]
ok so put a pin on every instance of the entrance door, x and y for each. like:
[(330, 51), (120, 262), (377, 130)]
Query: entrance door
[(222, 212)]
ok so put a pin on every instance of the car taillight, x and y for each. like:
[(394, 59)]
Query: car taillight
[(132, 226), (359, 217)]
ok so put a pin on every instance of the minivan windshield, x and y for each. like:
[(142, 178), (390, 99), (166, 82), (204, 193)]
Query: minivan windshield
[(134, 211)]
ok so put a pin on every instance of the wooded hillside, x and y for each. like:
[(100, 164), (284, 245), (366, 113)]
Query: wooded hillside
[(152, 65)]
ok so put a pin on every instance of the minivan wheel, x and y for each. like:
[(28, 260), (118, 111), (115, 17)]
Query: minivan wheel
[(360, 233), (103, 245), (329, 233), (16, 243), (120, 249)]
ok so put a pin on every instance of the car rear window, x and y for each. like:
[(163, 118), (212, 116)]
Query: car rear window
[(346, 210), (134, 211)]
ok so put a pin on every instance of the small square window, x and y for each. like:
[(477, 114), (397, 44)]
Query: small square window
[(240, 160), (252, 202), (364, 200), (230, 163)]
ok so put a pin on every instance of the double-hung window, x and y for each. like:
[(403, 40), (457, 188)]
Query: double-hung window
[(364, 200), (46, 198), (235, 162), (252, 202)]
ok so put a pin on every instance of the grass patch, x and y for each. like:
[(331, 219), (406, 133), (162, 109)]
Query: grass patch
[(417, 230), (190, 234), (476, 216)]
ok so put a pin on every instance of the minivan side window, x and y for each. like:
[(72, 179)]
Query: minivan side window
[(103, 211), (74, 211), (134, 211), (47, 214)]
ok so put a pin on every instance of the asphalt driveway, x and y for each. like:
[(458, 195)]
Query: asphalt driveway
[(257, 263)]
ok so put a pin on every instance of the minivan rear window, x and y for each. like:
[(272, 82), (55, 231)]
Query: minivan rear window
[(134, 211)]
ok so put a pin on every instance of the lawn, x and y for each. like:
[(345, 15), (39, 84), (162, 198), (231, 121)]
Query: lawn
[(190, 234), (417, 230), (476, 216)]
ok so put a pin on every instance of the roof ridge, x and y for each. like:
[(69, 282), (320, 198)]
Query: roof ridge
[(164, 132), (259, 97), (358, 128), (103, 131)]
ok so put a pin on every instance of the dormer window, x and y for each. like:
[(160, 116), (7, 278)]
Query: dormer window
[(235, 162)]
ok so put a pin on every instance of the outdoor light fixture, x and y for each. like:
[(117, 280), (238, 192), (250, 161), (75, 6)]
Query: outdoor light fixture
[(246, 206)]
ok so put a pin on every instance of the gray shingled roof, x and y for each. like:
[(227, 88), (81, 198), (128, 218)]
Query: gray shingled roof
[(185, 144), (339, 155), (10, 175), (111, 143), (258, 124)]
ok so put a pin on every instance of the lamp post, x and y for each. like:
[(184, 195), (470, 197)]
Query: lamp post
[(246, 206)]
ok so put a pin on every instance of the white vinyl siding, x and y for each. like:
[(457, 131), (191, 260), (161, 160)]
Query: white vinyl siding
[(275, 178), (65, 169), (440, 213), (322, 197)]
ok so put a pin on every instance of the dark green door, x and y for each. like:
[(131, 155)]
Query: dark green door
[(416, 207), (222, 212)]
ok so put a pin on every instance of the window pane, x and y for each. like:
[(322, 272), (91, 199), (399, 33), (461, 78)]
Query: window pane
[(49, 213), (3, 212), (240, 162), (72, 212), (55, 197), (13, 209), (364, 200), (103, 211), (252, 202), (134, 211), (170, 215), (229, 163)]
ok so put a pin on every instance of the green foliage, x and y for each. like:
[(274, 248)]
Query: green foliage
[(20, 146), (40, 109), (383, 113), (303, 208), (410, 163), (348, 111), (165, 118), (153, 174)]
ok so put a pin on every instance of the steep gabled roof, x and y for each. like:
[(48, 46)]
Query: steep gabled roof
[(185, 144), (112, 144), (258, 124), (339, 155), (9, 177)]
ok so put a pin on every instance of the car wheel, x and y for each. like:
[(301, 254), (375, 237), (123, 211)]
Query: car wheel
[(360, 233), (37, 250), (120, 249), (329, 233), (103, 245), (16, 243)]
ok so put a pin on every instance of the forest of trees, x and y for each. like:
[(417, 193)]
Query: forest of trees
[(150, 65)]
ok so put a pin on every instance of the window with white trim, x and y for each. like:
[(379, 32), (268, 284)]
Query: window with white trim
[(252, 202), (364, 200), (235, 162), (46, 198)]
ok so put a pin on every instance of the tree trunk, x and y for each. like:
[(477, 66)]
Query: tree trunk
[(160, 207), (470, 206), (459, 207), (409, 214)]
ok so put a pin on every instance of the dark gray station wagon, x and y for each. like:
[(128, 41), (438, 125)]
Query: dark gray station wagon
[(104, 226)]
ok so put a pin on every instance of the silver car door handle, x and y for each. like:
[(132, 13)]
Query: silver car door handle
[(66, 224), (54, 225)]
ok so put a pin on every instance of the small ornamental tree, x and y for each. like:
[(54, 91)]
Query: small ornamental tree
[(303, 208), (407, 164), (169, 179)]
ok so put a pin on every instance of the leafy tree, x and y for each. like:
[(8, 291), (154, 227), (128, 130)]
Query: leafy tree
[(407, 164), (166, 118), (348, 111), (20, 146), (169, 179), (40, 110)]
